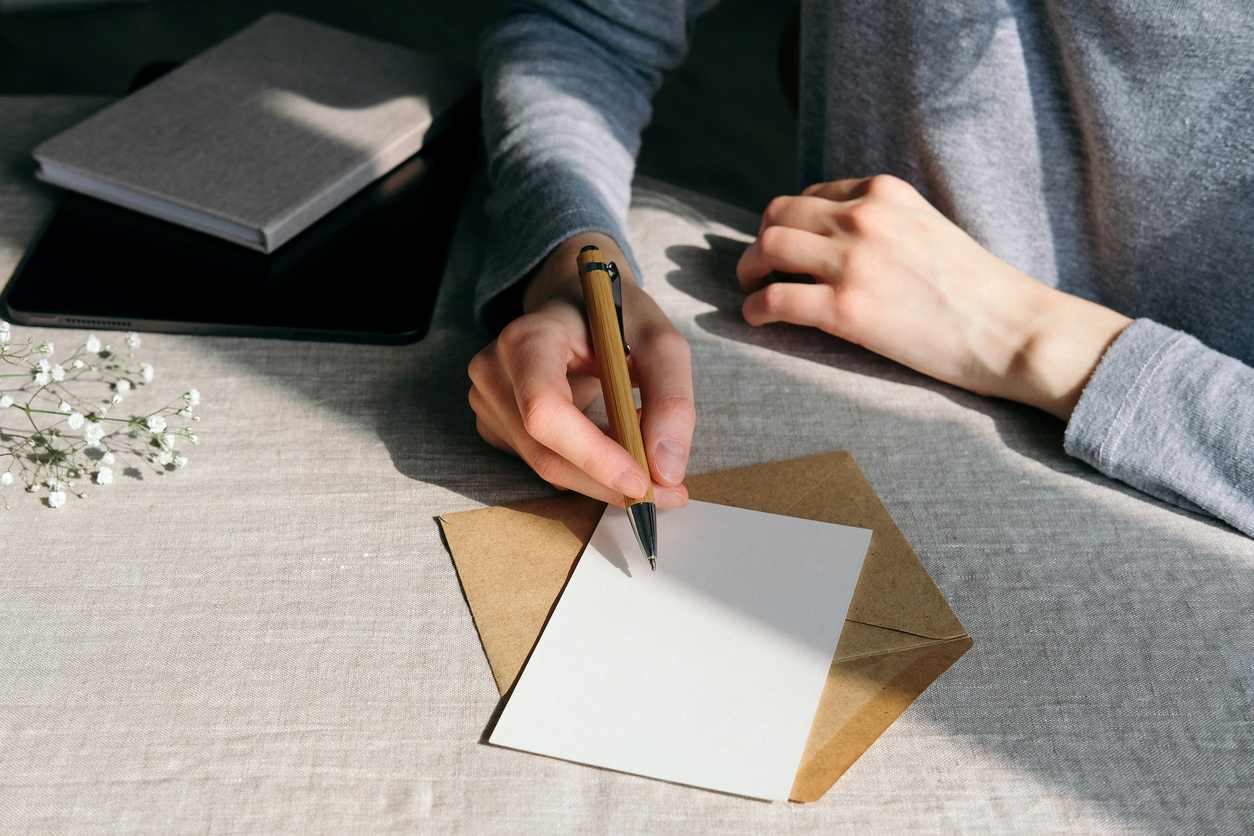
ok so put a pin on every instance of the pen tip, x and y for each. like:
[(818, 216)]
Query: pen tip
[(653, 563)]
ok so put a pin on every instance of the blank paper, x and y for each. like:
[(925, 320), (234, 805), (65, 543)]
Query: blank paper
[(707, 672)]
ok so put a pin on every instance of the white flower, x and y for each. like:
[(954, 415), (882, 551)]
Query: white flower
[(6, 401), (193, 438), (6, 478), (42, 379), (122, 386), (75, 420), (146, 372), (78, 364), (165, 458), (58, 373), (104, 476), (93, 433), (185, 412), (56, 498), (132, 340), (107, 458), (5, 336), (156, 423), (180, 462), (65, 407), (43, 365), (115, 400), (44, 348), (192, 396), (167, 441), (93, 344)]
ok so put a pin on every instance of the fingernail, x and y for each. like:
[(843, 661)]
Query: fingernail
[(631, 484), (670, 461)]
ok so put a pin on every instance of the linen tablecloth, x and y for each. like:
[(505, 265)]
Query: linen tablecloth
[(274, 639)]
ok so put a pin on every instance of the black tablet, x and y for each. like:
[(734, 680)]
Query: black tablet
[(367, 272)]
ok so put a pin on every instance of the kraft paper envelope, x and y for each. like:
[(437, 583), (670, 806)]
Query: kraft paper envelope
[(899, 634)]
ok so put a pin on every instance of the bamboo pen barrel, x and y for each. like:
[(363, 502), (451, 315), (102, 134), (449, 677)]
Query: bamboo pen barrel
[(607, 342)]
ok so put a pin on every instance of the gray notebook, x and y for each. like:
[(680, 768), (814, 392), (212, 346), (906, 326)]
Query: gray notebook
[(260, 136)]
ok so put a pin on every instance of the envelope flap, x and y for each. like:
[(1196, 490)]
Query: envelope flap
[(894, 590), (512, 561)]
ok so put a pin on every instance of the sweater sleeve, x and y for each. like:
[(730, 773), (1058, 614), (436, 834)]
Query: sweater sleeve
[(567, 89), (1173, 418)]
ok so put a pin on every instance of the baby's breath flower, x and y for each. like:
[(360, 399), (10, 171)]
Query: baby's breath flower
[(77, 364), (93, 433), (132, 341), (180, 461), (185, 412), (6, 401), (165, 457), (107, 458), (65, 407), (146, 372), (92, 345), (115, 400), (44, 348), (5, 335), (6, 479), (156, 423), (43, 365), (42, 378), (56, 499), (167, 441), (104, 476), (75, 421), (122, 386), (58, 373), (192, 396), (193, 438)]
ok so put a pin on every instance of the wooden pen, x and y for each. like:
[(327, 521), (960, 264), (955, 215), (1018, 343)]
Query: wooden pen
[(603, 300)]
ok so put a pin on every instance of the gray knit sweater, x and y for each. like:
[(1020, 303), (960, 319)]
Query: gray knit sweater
[(1105, 148)]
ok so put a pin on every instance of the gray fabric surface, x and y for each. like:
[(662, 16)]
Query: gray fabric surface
[(1106, 150), (274, 639)]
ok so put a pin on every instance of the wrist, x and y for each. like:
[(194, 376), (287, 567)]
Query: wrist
[(556, 278), (1063, 343)]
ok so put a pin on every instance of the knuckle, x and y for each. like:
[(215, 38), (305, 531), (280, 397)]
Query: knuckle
[(514, 335), (773, 297), (859, 265), (538, 412), (775, 210), (478, 365), (773, 240), (547, 465), (863, 218), (886, 185)]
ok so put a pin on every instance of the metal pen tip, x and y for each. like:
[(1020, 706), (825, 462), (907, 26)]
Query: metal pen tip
[(653, 563)]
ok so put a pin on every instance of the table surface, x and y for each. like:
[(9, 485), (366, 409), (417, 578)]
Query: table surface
[(274, 639)]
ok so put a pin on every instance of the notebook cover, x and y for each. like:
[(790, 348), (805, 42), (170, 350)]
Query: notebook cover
[(269, 130)]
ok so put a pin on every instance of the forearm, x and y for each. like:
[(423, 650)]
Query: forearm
[(562, 124)]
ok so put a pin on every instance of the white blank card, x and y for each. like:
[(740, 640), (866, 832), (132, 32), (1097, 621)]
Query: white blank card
[(707, 672)]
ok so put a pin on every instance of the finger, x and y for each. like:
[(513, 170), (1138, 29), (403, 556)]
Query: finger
[(560, 473), (548, 414), (813, 214), (800, 304), (670, 497), (669, 414), (849, 189), (787, 250)]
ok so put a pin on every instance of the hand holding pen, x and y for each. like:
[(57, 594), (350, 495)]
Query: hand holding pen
[(532, 384)]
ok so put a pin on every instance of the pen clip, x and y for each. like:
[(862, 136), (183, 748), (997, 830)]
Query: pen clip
[(616, 287)]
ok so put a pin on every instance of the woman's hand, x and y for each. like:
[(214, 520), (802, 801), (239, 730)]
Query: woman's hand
[(531, 385), (896, 276)]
